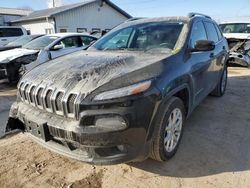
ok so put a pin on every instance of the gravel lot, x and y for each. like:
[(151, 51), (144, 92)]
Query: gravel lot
[(214, 151)]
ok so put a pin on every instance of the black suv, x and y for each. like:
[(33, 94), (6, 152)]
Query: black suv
[(126, 97)]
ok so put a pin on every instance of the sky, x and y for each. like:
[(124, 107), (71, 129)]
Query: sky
[(221, 10)]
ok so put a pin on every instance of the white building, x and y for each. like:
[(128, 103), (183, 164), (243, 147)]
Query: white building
[(9, 14), (90, 15)]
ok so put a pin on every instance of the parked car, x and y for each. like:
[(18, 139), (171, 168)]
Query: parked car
[(18, 43), (10, 33), (127, 97), (13, 63), (238, 37)]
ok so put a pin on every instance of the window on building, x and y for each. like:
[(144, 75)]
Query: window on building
[(198, 33), (211, 32), (49, 31), (63, 30), (81, 30)]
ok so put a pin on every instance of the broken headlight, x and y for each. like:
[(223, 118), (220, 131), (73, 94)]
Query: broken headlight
[(125, 91)]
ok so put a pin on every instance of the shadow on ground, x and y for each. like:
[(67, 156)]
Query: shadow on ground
[(216, 137)]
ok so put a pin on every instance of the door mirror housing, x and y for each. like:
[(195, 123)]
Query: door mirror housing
[(57, 47), (204, 45)]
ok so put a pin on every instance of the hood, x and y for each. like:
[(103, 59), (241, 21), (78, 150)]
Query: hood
[(237, 35), (82, 72), (10, 55)]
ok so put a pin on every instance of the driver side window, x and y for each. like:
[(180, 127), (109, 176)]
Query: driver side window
[(198, 33)]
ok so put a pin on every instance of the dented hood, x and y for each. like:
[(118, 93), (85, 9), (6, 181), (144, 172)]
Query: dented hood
[(84, 71), (9, 55)]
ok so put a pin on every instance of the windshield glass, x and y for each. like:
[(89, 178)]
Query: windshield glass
[(21, 41), (40, 43), (156, 36), (235, 28)]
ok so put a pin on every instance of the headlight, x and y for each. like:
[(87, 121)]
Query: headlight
[(125, 91)]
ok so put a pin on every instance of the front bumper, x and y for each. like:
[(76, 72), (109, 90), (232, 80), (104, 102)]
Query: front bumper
[(95, 144), (239, 59)]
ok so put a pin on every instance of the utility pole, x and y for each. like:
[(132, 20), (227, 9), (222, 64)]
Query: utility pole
[(54, 4)]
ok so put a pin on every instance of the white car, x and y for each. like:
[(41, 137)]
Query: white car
[(10, 33), (14, 62), (238, 37)]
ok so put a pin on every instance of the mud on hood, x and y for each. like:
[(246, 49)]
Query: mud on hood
[(83, 72), (9, 55)]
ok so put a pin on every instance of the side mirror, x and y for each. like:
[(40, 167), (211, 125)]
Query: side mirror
[(204, 45), (57, 47)]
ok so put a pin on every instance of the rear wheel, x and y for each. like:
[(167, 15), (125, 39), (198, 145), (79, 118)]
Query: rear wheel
[(222, 85), (168, 130)]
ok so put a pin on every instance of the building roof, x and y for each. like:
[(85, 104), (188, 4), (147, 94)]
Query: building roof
[(12, 11), (46, 13)]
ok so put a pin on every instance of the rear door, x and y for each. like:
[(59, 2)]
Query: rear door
[(68, 45), (218, 55), (200, 62), (9, 34)]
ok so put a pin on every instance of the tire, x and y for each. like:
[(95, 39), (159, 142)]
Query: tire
[(159, 148), (220, 89)]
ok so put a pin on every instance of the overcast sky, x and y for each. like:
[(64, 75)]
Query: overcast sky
[(218, 9)]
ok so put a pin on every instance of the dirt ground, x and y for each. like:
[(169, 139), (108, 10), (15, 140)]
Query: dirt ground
[(214, 152)]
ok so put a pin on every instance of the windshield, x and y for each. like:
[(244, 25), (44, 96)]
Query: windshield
[(40, 43), (156, 36), (235, 28), (21, 41)]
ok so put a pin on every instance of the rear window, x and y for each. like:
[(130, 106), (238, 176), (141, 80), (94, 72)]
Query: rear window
[(219, 32), (211, 32), (10, 32)]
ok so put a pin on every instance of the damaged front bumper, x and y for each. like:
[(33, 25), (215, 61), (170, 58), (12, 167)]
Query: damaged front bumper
[(239, 59), (101, 136)]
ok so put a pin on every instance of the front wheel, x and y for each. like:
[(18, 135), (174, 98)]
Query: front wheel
[(168, 130), (222, 85)]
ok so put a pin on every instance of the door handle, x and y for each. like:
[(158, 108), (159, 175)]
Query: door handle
[(211, 55), (3, 39)]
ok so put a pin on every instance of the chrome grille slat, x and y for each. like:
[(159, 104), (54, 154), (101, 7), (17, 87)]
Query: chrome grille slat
[(71, 103), (48, 99), (31, 94), (39, 97), (59, 105)]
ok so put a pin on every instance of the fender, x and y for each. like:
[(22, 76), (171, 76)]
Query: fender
[(161, 104)]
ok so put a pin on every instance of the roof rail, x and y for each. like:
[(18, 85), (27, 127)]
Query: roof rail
[(193, 14), (133, 19)]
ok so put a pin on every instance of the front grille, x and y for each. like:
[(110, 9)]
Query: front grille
[(48, 99)]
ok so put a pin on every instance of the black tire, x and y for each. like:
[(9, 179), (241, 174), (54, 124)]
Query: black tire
[(220, 89), (158, 150)]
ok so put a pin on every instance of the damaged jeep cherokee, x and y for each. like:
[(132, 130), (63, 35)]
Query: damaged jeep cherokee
[(127, 97)]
